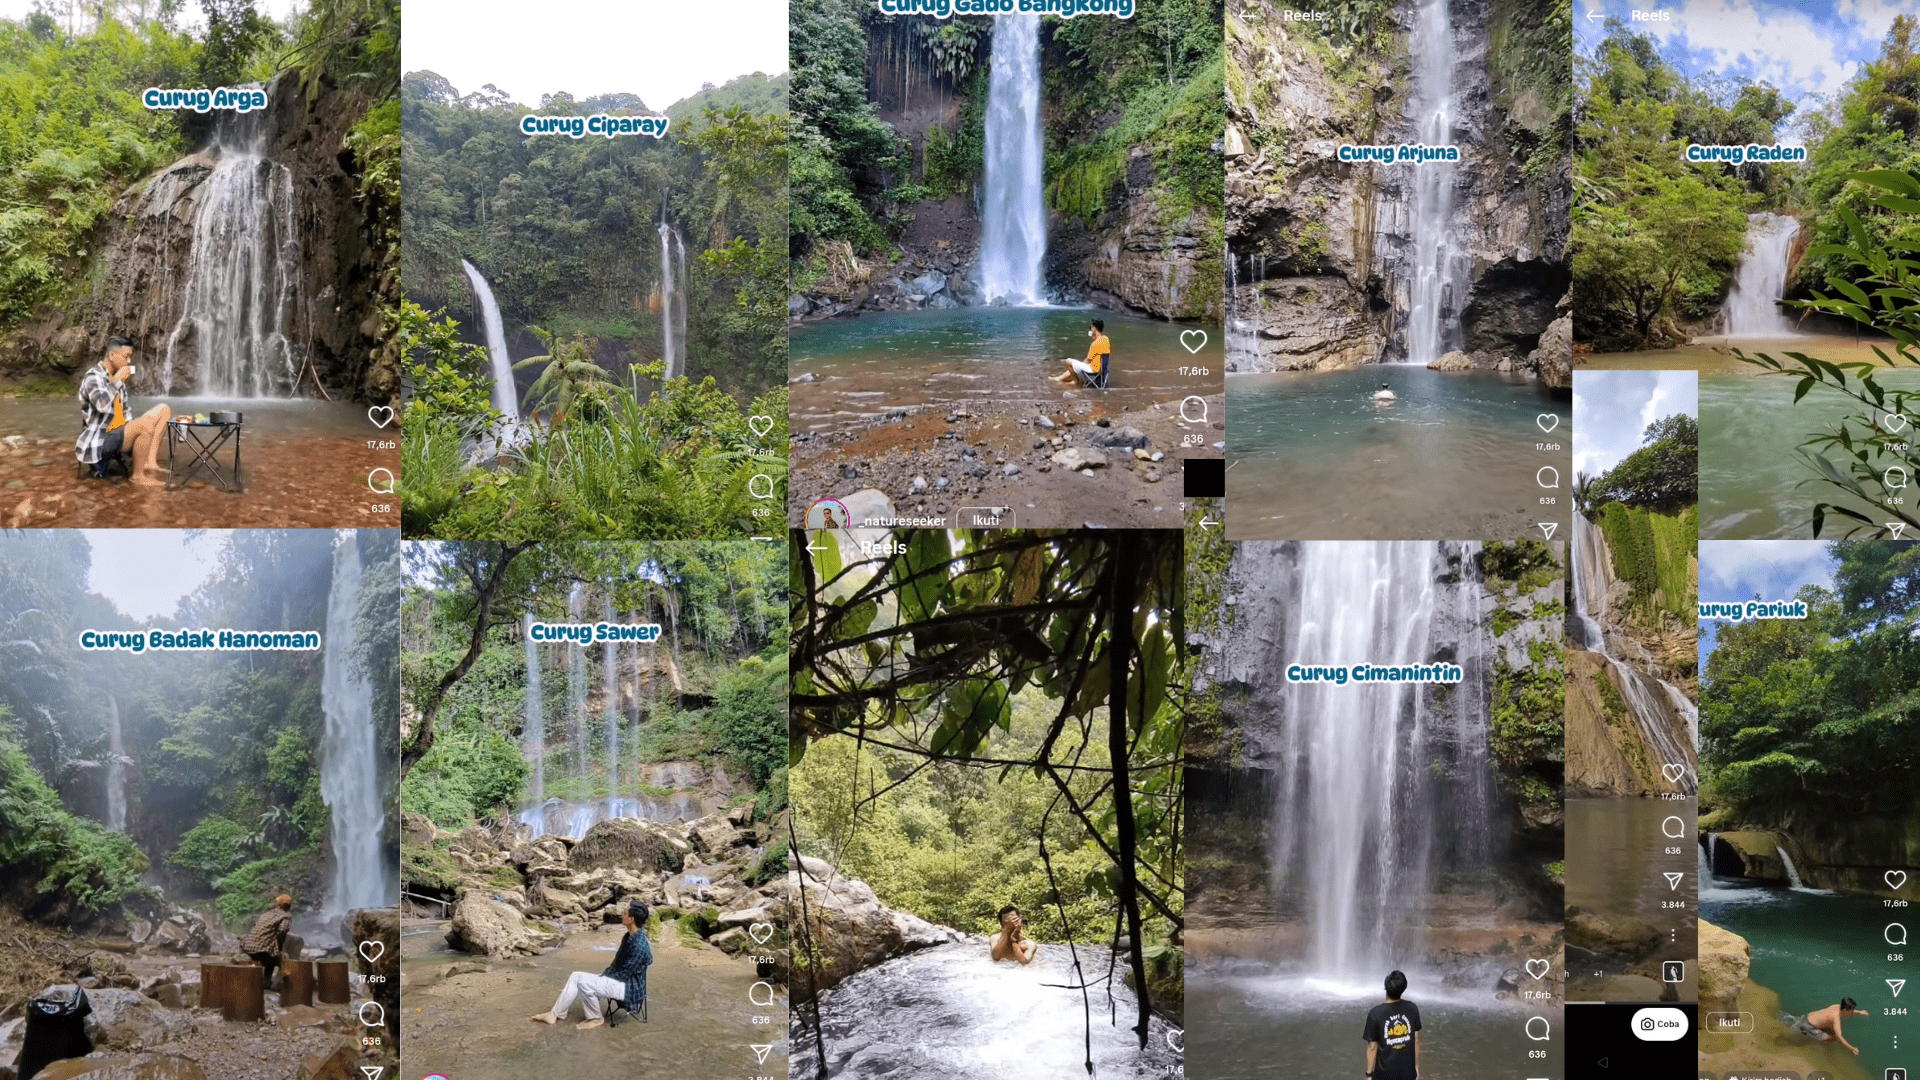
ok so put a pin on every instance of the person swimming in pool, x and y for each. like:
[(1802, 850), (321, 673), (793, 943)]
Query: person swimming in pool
[(1383, 394), (1823, 1025)]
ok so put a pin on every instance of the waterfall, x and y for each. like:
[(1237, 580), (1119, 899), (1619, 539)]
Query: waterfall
[(1441, 265), (1656, 705), (535, 735), (1383, 787), (116, 770), (349, 753), (244, 287), (1793, 872), (577, 686), (506, 397), (673, 266), (1013, 224), (610, 661), (1761, 279)]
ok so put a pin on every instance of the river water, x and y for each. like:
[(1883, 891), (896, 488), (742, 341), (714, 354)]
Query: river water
[(977, 357), (1809, 949), (1456, 454)]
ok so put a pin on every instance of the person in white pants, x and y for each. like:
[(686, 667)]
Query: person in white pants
[(617, 983)]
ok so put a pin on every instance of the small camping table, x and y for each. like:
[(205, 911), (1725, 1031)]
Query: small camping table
[(204, 441)]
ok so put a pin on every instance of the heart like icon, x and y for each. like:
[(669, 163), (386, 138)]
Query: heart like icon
[(760, 425), (1547, 421), (760, 932), (373, 950), (1178, 1045), (1537, 968), (1896, 879), (1894, 421), (1673, 772), (1191, 346), (381, 415)]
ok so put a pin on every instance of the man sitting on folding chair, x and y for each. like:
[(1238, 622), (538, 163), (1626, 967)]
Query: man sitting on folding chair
[(624, 981), (108, 436), (1094, 370)]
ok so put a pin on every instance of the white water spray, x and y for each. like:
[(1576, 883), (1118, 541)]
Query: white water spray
[(349, 755), (505, 397), (577, 685), (1013, 224), (673, 314), (1761, 279), (244, 285), (610, 662), (116, 770), (535, 733)]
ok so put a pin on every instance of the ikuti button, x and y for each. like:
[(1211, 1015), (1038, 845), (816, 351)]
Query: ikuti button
[(1660, 1025)]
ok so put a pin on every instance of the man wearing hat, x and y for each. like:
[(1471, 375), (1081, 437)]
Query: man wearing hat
[(268, 938), (625, 980)]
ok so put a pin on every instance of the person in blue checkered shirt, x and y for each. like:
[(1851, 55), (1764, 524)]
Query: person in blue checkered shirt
[(105, 430), (625, 980)]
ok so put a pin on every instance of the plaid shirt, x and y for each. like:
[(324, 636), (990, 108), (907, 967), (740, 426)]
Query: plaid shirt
[(630, 966), (97, 394), (269, 933)]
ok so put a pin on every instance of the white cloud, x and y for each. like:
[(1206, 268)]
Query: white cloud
[(146, 572), (1732, 570)]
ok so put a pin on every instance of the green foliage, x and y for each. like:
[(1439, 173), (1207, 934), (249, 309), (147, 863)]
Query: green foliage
[(211, 848), (250, 889), (466, 776), (1855, 457), (1817, 718), (748, 718), (1663, 474), (67, 858), (1528, 726), (1651, 551), (1523, 565), (235, 32), (843, 154)]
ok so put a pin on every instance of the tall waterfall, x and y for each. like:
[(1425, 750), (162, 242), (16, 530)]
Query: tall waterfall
[(349, 754), (116, 770), (1669, 724), (1761, 279), (1441, 264), (610, 673), (1383, 787), (1013, 225), (577, 685), (506, 397), (535, 733), (673, 312), (244, 287)]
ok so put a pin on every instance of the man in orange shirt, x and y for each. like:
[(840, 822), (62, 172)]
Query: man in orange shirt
[(1098, 354)]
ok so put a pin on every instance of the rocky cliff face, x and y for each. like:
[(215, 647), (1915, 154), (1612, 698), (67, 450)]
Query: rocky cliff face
[(1319, 251), (332, 325)]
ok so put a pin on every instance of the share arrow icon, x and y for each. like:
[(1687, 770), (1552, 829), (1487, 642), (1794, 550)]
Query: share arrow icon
[(1895, 985), (1673, 880), (1547, 527), (760, 1052), (1896, 527), (373, 1072)]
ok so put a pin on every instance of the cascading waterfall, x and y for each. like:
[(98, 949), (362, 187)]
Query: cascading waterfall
[(244, 286), (577, 685), (506, 397), (1441, 265), (535, 734), (349, 755), (609, 661), (1384, 786), (673, 265), (1013, 224), (1761, 279), (1656, 705), (116, 770)]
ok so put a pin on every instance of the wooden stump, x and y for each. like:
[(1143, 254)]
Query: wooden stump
[(210, 985), (334, 989), (244, 996), (296, 985)]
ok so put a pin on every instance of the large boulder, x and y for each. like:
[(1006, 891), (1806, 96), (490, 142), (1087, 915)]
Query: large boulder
[(337, 1064), (1724, 958), (484, 925), (1552, 360), (847, 927), (130, 1020), (1453, 361), (716, 835), (630, 844), (1611, 933), (129, 1067)]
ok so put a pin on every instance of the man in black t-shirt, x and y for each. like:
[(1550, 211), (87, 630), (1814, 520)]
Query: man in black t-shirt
[(1393, 1035)]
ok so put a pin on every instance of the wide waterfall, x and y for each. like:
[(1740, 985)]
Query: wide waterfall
[(505, 397), (116, 770), (1013, 223), (1382, 788), (349, 752), (1761, 279), (1669, 724), (673, 310), (535, 733), (1441, 264), (610, 665), (244, 289)]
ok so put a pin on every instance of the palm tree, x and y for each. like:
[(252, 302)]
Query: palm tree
[(572, 376), (1582, 492)]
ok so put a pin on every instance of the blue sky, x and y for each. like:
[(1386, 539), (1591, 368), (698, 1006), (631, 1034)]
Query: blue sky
[(1629, 400), (1739, 570), (1804, 48)]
